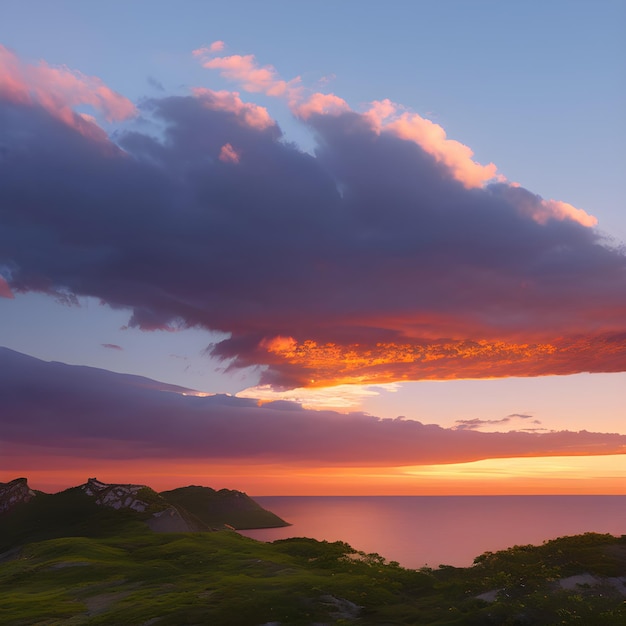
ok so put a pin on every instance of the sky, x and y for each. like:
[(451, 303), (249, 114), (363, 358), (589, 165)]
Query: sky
[(381, 247)]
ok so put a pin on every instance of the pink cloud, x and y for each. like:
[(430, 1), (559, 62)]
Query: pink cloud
[(493, 290), (5, 290), (58, 90), (200, 52), (432, 138), (541, 211), (217, 46), (253, 77), (228, 154), (203, 51), (384, 115), (320, 104), (250, 114), (559, 210)]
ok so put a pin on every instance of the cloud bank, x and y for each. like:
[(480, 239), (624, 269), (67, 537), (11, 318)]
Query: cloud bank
[(61, 410), (387, 255)]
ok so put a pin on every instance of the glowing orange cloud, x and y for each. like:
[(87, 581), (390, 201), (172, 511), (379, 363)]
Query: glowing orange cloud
[(334, 364)]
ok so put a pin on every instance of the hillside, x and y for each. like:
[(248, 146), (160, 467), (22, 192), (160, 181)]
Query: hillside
[(100, 509), (224, 579), (89, 556), (226, 506)]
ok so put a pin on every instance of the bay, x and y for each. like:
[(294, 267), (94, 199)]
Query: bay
[(420, 531)]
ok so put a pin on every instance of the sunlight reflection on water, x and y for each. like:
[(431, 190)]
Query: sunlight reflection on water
[(431, 530)]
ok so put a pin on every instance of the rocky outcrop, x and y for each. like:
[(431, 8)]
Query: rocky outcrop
[(172, 520), (118, 496), (163, 516), (13, 493)]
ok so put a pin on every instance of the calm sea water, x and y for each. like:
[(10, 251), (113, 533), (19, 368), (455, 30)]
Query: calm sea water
[(434, 530)]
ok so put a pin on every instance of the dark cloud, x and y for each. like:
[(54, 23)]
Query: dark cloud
[(84, 412), (369, 257)]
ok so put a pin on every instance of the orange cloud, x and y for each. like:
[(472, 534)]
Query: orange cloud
[(322, 365)]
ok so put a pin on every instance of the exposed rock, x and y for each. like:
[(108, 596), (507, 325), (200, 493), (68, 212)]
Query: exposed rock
[(117, 496), (13, 493), (165, 518), (340, 608), (171, 521), (489, 596), (575, 583)]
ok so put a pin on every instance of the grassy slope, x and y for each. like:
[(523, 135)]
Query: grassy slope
[(224, 578), (216, 508)]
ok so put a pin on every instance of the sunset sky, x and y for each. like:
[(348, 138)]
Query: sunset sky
[(392, 234)]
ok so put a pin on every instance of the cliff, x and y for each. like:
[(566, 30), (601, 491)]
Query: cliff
[(13, 493)]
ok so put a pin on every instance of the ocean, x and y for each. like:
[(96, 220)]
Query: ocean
[(420, 531)]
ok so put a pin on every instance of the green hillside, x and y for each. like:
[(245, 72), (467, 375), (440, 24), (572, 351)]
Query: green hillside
[(104, 554), (226, 506), (221, 578)]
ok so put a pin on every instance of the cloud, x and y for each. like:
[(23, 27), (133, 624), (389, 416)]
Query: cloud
[(228, 154), (248, 114), (111, 346), (476, 423), (58, 90), (370, 261), (204, 51), (339, 397), (80, 411), (157, 84), (252, 76), (5, 290)]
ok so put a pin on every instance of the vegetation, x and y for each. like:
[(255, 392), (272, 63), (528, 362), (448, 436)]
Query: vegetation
[(223, 507), (66, 560), (222, 578)]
